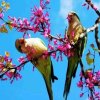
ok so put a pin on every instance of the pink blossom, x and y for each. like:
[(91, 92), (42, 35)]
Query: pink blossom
[(17, 75), (69, 53), (19, 68), (91, 80), (38, 11), (61, 48), (89, 83), (55, 42), (53, 55), (81, 94), (95, 8), (90, 98), (46, 32), (90, 74), (6, 58), (98, 74), (81, 74), (21, 59), (46, 52), (94, 79), (50, 47), (40, 20), (41, 3), (96, 94), (84, 4), (68, 46), (10, 74), (80, 84), (1, 15), (13, 19), (36, 29)]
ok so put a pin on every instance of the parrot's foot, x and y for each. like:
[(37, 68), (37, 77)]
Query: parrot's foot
[(54, 78)]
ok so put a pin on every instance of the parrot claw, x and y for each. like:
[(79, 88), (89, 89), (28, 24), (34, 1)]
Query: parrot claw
[(54, 78)]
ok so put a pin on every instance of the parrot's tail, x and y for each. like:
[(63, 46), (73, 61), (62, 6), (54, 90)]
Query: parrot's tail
[(67, 87), (49, 87), (71, 71)]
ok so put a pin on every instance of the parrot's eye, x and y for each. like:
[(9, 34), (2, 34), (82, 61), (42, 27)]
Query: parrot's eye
[(21, 42)]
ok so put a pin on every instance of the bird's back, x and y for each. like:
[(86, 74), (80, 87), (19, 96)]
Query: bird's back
[(37, 46)]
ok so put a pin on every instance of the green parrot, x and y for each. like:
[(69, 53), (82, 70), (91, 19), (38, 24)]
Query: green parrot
[(75, 28), (35, 47)]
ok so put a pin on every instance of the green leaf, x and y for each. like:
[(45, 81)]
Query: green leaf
[(89, 59), (10, 25), (1, 59), (1, 10), (3, 29)]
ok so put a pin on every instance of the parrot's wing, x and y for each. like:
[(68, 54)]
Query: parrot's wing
[(42, 42), (53, 77)]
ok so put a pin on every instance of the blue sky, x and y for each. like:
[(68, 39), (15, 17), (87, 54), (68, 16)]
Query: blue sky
[(31, 86)]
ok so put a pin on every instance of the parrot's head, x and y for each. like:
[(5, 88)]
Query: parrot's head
[(72, 17), (19, 43)]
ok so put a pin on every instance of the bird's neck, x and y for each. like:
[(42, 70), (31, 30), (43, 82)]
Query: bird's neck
[(73, 24)]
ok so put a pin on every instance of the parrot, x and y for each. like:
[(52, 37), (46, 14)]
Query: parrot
[(73, 33), (35, 47)]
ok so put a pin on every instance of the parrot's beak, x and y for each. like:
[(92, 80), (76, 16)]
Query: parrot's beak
[(69, 17)]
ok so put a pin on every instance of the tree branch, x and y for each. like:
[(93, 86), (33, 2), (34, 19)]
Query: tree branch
[(96, 34), (93, 7), (91, 29)]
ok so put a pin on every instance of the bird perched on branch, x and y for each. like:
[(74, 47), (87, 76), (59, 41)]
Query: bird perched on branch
[(75, 28), (35, 47)]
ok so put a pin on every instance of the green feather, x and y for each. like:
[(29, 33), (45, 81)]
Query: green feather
[(44, 65)]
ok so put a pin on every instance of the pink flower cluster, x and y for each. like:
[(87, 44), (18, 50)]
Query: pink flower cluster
[(7, 69), (22, 25), (88, 6), (62, 46), (40, 19), (1, 15), (90, 80), (21, 59)]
